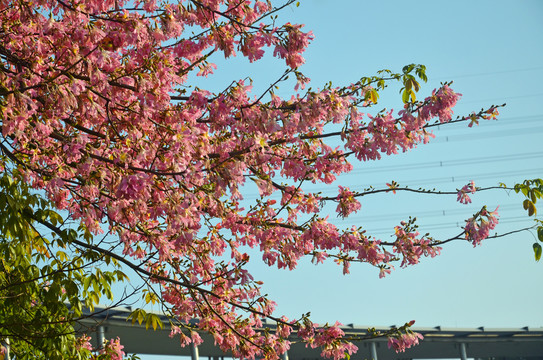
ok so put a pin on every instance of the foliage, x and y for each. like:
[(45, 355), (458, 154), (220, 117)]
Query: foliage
[(533, 190), (26, 287), (45, 282), (98, 116)]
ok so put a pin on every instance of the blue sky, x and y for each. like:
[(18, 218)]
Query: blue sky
[(493, 51)]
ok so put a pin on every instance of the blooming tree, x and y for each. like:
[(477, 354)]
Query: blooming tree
[(100, 128)]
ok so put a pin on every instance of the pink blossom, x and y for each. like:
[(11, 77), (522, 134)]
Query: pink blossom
[(440, 104), (195, 337), (404, 341), (383, 271), (347, 202), (114, 349), (83, 342), (478, 227), (463, 193)]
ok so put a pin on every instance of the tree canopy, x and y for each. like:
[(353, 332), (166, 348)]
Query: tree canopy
[(112, 161)]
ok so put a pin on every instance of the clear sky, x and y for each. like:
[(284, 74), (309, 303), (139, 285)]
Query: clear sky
[(493, 51)]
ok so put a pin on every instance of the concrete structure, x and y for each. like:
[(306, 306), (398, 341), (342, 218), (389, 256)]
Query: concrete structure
[(480, 343)]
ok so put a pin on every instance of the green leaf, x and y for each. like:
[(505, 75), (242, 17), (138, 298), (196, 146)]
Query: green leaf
[(405, 96), (154, 321), (413, 96), (537, 251), (408, 68), (540, 233), (374, 96), (530, 207), (138, 315), (414, 84)]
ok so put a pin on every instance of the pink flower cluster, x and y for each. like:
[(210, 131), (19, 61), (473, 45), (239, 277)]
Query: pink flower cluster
[(440, 104), (411, 247), (347, 202), (83, 342), (329, 338), (113, 349), (463, 197), (489, 114), (478, 227), (386, 134), (404, 341), (293, 47)]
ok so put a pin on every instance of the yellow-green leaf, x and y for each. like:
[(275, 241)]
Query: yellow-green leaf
[(374, 96), (537, 251), (530, 207)]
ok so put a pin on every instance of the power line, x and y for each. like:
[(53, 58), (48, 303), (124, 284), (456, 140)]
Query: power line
[(487, 73), (486, 175), (502, 99), (487, 135), (441, 226), (504, 208), (446, 163)]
